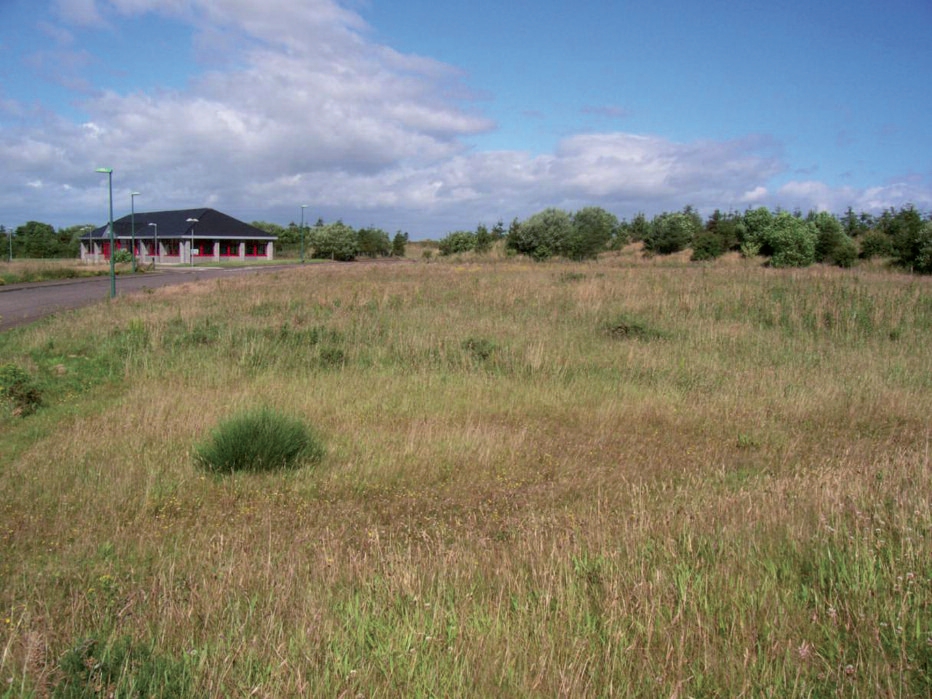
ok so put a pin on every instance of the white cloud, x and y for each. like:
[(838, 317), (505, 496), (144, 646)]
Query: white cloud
[(311, 111)]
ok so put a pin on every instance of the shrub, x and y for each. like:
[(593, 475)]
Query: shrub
[(542, 236), (258, 440), (457, 242), (845, 254), (707, 246), (791, 241), (336, 241), (593, 229), (754, 224), (122, 256), (905, 228), (832, 245), (373, 242), (670, 233), (18, 389), (875, 244), (923, 262), (398, 244)]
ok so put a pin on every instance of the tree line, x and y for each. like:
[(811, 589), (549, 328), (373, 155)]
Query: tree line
[(335, 241), (37, 240), (338, 241), (786, 239)]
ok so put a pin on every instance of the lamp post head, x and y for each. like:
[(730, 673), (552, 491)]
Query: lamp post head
[(105, 170), (192, 220), (135, 194)]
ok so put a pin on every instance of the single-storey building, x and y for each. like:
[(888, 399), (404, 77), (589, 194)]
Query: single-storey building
[(180, 237)]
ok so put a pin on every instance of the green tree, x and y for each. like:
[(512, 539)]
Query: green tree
[(483, 239), (399, 242), (791, 241), (755, 223), (593, 229), (639, 227), (457, 242), (875, 244), (671, 232), (37, 240), (905, 230), (707, 246), (832, 245), (373, 242), (498, 230), (541, 236), (69, 240), (727, 227), (335, 241)]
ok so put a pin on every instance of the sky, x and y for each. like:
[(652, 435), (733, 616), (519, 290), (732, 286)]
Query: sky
[(429, 117)]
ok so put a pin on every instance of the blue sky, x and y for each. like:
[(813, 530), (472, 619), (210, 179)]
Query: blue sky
[(431, 116)]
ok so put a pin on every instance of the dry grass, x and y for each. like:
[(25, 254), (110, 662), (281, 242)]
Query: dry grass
[(627, 478)]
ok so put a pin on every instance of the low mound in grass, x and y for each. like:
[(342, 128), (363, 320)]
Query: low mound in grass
[(259, 440)]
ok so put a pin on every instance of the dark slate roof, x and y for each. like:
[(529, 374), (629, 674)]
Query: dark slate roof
[(211, 224)]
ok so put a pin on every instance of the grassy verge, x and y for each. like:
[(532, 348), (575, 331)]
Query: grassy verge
[(622, 478), (24, 271)]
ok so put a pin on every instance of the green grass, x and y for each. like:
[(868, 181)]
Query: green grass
[(27, 271), (259, 439), (625, 478)]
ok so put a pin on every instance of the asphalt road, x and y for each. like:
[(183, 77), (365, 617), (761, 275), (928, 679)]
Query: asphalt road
[(21, 304)]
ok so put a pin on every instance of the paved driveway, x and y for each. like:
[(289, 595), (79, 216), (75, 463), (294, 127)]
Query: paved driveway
[(25, 303)]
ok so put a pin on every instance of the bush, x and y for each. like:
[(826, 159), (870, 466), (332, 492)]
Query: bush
[(923, 262), (457, 242), (122, 256), (398, 244), (833, 246), (258, 440), (542, 236), (707, 246), (791, 241), (846, 254), (373, 242), (670, 233), (18, 389), (335, 241), (593, 229), (875, 244)]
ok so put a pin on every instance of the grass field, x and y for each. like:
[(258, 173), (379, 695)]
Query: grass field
[(625, 478)]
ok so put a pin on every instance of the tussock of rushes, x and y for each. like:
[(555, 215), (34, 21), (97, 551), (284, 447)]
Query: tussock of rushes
[(734, 503)]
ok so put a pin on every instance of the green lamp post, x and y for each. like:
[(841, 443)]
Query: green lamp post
[(132, 204), (108, 171)]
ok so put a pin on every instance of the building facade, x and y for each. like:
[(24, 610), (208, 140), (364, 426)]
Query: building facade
[(180, 237)]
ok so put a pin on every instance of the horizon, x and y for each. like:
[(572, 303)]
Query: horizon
[(427, 118)]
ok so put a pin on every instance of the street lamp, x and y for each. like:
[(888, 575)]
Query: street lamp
[(303, 207), (191, 251), (132, 204), (108, 171), (156, 248)]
